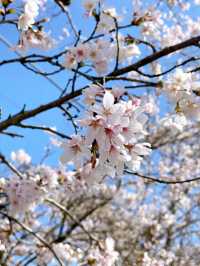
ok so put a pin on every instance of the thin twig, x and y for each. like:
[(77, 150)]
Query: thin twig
[(74, 219), (10, 166), (48, 129), (154, 179), (29, 230)]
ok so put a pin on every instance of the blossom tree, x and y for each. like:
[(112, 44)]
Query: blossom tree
[(125, 188)]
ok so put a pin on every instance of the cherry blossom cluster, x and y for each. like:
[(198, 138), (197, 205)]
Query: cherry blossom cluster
[(100, 54), (30, 37), (154, 26), (67, 215), (31, 11), (113, 135), (140, 211), (27, 190), (22, 194), (35, 39), (65, 252), (183, 88), (106, 256)]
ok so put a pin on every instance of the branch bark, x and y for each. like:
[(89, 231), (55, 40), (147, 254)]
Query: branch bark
[(23, 115)]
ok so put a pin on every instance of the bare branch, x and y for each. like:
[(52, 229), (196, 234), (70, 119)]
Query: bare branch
[(154, 179)]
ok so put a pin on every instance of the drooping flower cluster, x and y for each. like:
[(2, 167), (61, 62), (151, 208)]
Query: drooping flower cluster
[(114, 129), (151, 230)]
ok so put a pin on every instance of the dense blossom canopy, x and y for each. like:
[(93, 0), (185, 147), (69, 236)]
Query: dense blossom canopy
[(124, 189)]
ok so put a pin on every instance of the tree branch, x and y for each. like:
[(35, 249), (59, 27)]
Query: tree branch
[(23, 115), (155, 56)]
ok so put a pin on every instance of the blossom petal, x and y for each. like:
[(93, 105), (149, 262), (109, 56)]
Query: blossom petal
[(108, 100)]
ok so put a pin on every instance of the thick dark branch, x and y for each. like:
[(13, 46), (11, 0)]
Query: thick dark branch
[(12, 135), (191, 59), (155, 56), (27, 59), (19, 117)]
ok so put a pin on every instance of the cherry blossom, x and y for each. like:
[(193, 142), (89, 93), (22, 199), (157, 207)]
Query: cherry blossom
[(31, 11), (21, 157), (114, 178), (113, 131)]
